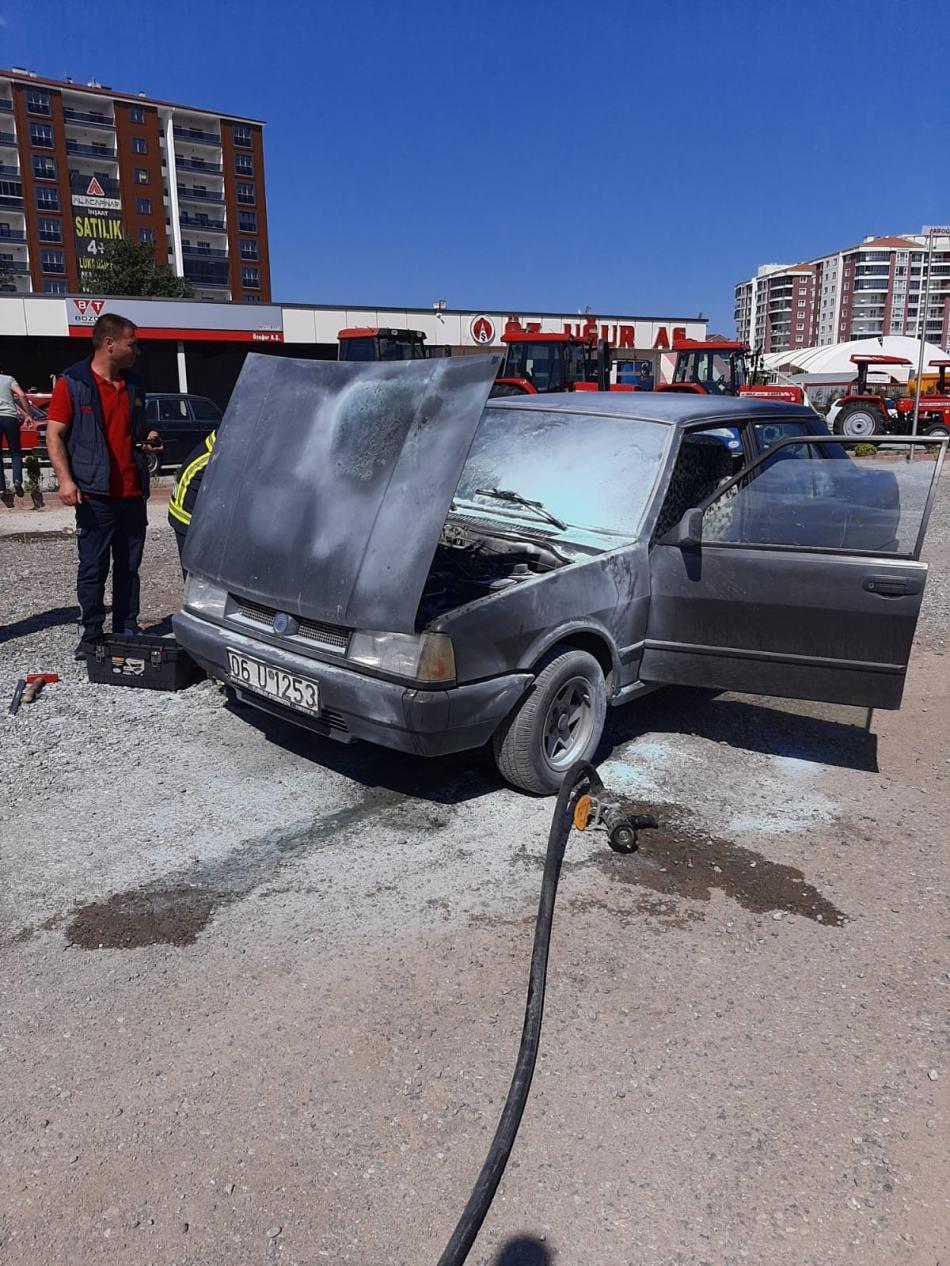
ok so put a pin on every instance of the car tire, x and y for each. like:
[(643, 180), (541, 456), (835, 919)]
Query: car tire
[(858, 422), (154, 463), (558, 722)]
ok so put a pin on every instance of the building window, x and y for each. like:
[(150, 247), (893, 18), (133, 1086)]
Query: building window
[(49, 230), (41, 135), (248, 248), (245, 194), (137, 114), (53, 287), (37, 101), (141, 175), (251, 278), (44, 168), (242, 135), (53, 261), (146, 235), (143, 206), (139, 145), (247, 221), (251, 298), (244, 164), (47, 198)]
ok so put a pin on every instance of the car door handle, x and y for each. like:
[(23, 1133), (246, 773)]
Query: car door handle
[(892, 586)]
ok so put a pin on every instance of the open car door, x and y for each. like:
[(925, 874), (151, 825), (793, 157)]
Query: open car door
[(801, 577)]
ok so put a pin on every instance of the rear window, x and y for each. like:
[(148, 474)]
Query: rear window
[(205, 410), (595, 473)]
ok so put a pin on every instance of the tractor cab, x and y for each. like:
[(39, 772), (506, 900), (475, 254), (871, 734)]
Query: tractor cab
[(716, 367), (537, 363), (934, 410), (365, 343)]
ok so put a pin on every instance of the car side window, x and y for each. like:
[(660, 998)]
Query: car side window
[(205, 410), (151, 411), (704, 461), (172, 411)]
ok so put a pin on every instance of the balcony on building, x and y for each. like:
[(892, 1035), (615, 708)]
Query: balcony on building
[(11, 193), (97, 119), (12, 226), (7, 140), (197, 250), (196, 132), (186, 162), (190, 193), (93, 149), (6, 105), (208, 273), (197, 221)]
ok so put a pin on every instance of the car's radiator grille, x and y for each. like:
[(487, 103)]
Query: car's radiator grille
[(329, 636)]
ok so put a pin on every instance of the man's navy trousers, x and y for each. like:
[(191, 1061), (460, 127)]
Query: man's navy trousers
[(109, 527)]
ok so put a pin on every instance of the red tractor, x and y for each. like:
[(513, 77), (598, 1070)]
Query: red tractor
[(537, 363), (934, 416), (717, 367), (374, 343), (862, 413)]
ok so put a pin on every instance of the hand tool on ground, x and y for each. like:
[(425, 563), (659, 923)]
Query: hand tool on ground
[(28, 688)]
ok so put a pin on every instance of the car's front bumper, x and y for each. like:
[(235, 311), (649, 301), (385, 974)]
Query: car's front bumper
[(355, 705)]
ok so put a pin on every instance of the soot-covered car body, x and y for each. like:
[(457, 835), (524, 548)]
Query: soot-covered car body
[(375, 554)]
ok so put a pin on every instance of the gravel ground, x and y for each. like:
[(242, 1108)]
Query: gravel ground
[(262, 993)]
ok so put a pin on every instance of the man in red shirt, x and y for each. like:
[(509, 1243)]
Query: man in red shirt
[(97, 439)]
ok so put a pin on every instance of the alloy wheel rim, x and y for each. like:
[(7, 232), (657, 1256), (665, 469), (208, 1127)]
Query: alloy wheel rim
[(568, 724)]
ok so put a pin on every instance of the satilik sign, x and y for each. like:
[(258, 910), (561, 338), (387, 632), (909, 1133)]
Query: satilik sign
[(97, 221)]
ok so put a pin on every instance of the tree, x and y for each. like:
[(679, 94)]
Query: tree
[(129, 268)]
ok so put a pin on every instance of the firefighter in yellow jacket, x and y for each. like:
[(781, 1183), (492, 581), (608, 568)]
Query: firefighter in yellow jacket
[(185, 491)]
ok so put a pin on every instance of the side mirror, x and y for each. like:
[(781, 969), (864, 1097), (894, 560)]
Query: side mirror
[(688, 533)]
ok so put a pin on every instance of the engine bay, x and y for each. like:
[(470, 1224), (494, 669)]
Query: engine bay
[(474, 559)]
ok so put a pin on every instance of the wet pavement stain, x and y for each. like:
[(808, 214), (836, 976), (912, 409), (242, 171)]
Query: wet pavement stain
[(677, 861), (131, 920), (175, 910)]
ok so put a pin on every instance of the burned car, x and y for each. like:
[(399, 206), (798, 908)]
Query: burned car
[(376, 554)]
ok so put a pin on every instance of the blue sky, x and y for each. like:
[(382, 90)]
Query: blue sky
[(637, 158)]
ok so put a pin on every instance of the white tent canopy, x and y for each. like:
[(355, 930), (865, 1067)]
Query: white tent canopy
[(833, 360)]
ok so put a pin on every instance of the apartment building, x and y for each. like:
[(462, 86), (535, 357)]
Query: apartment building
[(81, 165), (875, 288)]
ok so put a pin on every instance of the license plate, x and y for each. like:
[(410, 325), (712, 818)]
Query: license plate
[(286, 688)]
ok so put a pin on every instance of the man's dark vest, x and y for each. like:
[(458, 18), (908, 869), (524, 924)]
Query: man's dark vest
[(86, 437)]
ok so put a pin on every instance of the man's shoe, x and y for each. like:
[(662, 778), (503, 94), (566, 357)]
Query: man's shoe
[(86, 648), (18, 489)]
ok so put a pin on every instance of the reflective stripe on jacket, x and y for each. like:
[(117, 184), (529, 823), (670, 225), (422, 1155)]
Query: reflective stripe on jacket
[(187, 482)]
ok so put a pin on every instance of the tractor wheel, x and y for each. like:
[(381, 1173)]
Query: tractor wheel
[(938, 430), (558, 722), (858, 422)]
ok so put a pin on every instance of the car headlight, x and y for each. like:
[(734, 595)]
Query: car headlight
[(422, 656), (204, 598)]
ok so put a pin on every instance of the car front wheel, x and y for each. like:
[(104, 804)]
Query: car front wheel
[(558, 722), (154, 463)]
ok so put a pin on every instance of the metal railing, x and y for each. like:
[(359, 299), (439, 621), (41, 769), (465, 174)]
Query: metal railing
[(200, 195), (199, 164), (7, 138), (207, 226), (196, 134), (15, 235), (91, 151), (84, 116), (202, 252)]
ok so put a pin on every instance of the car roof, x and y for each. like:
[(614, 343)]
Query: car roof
[(669, 408)]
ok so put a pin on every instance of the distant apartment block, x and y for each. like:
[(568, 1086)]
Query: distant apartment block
[(81, 165), (862, 291)]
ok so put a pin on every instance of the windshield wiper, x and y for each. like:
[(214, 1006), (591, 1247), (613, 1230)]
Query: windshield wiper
[(505, 494)]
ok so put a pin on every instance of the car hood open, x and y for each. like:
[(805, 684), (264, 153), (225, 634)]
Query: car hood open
[(330, 483)]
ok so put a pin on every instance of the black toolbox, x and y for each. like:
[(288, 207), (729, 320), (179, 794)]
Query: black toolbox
[(136, 659)]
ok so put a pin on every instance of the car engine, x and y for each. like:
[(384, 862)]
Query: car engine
[(474, 559)]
